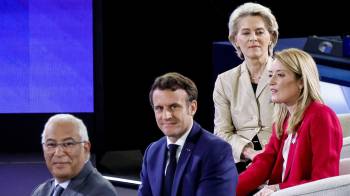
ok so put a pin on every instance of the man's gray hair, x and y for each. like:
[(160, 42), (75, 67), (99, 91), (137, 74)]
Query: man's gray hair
[(60, 118)]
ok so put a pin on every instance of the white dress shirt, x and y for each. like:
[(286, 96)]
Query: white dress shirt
[(180, 142)]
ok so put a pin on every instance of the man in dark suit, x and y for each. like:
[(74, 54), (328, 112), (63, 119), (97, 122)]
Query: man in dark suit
[(202, 163), (66, 149)]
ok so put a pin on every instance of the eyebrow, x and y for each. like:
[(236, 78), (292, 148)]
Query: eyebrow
[(65, 139), (279, 70), (257, 29)]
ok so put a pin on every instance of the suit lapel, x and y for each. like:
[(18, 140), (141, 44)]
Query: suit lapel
[(71, 192), (290, 156), (50, 187), (77, 182), (159, 168), (181, 166), (185, 157), (246, 86), (245, 80), (264, 80)]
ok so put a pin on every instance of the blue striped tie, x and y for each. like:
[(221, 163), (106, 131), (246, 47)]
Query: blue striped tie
[(58, 191)]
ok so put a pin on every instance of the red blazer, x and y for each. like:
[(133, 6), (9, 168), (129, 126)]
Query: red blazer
[(314, 155)]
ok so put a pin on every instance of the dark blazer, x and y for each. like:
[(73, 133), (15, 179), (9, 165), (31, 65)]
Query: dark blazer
[(88, 182), (205, 167)]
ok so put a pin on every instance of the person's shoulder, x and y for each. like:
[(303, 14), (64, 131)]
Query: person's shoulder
[(229, 74), (318, 111), (210, 145), (157, 144), (100, 185), (318, 108), (39, 189), (213, 140)]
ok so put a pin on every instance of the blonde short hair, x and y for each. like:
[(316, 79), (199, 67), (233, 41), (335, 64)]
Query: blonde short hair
[(253, 9)]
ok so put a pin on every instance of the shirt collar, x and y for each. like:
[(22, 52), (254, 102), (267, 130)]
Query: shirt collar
[(62, 184), (181, 141)]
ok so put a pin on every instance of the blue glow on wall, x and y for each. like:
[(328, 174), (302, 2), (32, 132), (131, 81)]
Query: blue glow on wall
[(46, 59)]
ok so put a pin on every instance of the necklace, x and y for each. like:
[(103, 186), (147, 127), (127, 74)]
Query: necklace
[(254, 78), (257, 77)]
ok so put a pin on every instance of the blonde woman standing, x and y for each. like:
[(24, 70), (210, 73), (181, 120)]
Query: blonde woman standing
[(242, 100)]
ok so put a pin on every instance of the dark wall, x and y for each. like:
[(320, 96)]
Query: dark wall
[(159, 36), (162, 36), (142, 43), (295, 18)]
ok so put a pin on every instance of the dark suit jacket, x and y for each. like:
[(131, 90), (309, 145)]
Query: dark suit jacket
[(88, 182), (205, 167)]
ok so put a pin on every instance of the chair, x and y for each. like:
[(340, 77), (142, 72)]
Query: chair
[(345, 151), (338, 185), (345, 123), (123, 164)]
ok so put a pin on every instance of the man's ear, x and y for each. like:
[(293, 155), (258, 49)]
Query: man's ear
[(193, 107), (87, 146)]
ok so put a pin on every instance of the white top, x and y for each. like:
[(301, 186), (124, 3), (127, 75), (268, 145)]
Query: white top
[(290, 139)]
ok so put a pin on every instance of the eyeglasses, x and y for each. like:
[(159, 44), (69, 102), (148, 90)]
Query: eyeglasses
[(67, 145)]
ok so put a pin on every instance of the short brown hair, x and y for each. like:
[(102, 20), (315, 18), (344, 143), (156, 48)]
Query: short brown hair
[(173, 81)]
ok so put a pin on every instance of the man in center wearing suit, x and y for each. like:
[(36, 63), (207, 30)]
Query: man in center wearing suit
[(203, 163)]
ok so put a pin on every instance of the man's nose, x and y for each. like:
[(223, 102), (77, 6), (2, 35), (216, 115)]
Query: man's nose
[(59, 149), (167, 114)]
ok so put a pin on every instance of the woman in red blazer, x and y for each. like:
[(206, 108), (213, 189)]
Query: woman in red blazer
[(307, 136)]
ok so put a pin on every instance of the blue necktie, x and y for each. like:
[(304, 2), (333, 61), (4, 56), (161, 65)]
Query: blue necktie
[(58, 191), (170, 170)]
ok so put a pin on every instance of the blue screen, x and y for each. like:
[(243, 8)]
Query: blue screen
[(46, 56)]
